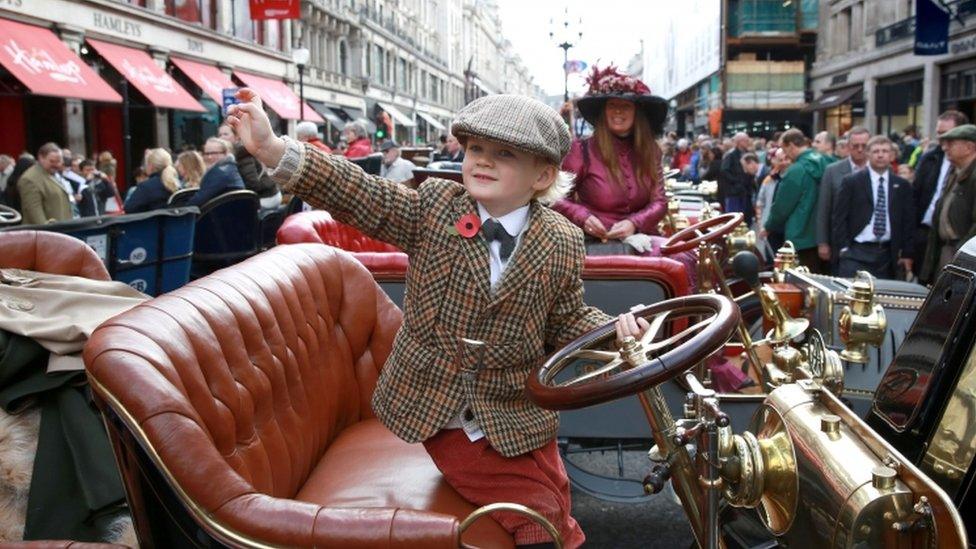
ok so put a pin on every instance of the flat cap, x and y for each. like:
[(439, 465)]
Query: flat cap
[(965, 132), (389, 144), (516, 120)]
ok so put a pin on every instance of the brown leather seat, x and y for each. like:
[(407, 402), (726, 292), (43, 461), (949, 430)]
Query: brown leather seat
[(248, 392), (49, 252)]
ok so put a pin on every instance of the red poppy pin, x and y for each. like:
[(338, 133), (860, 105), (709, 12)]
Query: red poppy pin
[(468, 226)]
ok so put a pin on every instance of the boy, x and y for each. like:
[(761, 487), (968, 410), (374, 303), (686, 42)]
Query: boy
[(514, 285)]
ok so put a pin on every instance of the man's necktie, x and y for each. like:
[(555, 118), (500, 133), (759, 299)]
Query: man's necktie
[(880, 211), (493, 230)]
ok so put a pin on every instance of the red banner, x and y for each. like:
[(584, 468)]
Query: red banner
[(275, 9)]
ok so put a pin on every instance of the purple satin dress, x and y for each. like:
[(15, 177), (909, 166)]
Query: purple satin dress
[(596, 193)]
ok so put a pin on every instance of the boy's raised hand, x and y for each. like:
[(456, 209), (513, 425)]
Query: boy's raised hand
[(254, 129)]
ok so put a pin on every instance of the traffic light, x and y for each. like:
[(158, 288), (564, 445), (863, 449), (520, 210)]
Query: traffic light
[(384, 126)]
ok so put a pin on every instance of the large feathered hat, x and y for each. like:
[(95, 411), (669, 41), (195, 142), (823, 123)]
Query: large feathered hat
[(610, 83)]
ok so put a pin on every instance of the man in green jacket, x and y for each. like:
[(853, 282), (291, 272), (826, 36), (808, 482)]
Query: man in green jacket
[(794, 208)]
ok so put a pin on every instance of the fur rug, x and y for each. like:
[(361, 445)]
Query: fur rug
[(18, 444)]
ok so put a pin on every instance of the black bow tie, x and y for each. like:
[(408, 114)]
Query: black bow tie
[(493, 230)]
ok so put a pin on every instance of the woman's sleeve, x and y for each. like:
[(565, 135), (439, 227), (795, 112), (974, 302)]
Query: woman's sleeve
[(570, 208), (647, 218)]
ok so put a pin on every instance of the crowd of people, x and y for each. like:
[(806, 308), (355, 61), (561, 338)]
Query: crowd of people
[(852, 202), (58, 185), (897, 207)]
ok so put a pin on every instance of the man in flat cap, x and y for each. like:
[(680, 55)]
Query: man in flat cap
[(955, 212), (394, 168)]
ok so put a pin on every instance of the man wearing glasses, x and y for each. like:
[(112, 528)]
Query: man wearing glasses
[(221, 175), (931, 174), (857, 143)]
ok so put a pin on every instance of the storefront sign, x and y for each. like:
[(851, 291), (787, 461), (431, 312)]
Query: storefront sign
[(116, 24), (275, 9), (931, 28), (46, 66), (963, 46)]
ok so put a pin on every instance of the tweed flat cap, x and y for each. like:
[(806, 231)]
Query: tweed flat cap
[(515, 120), (966, 132)]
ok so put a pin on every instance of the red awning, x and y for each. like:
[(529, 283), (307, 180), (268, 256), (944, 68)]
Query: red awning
[(210, 79), (277, 95), (139, 69), (44, 64)]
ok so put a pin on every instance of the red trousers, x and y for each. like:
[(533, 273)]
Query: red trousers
[(536, 479)]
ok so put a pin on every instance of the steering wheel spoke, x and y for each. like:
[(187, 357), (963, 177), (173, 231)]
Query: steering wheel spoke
[(709, 230), (605, 369)]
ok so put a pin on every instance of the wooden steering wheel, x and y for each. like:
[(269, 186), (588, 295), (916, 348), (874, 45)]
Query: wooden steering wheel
[(714, 229), (639, 364), (9, 216)]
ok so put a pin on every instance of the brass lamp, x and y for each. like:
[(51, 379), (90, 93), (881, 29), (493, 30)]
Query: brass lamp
[(785, 259), (862, 322), (741, 239), (785, 327)]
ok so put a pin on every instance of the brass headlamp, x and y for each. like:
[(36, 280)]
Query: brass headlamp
[(785, 259), (862, 322), (673, 221), (741, 239)]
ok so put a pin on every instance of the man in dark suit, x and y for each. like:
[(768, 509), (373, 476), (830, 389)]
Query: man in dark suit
[(830, 187), (735, 185), (873, 217), (931, 174)]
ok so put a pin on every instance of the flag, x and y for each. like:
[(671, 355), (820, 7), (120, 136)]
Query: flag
[(574, 66), (275, 9), (931, 28)]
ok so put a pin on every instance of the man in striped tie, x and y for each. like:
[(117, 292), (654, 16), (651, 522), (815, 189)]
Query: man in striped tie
[(873, 219)]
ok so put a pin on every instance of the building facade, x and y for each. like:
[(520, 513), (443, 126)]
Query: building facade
[(739, 65), (409, 62), (866, 71)]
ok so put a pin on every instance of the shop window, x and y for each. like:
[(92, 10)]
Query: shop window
[(140, 3), (241, 21), (343, 58), (192, 11)]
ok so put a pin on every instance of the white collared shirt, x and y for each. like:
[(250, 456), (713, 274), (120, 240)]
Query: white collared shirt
[(515, 223), (867, 233), (939, 185), (854, 167)]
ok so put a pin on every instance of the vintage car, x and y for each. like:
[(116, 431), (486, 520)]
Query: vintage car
[(239, 408)]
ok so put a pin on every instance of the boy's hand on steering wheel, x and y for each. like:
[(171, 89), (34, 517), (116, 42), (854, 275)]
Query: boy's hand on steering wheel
[(630, 326), (622, 229), (254, 129)]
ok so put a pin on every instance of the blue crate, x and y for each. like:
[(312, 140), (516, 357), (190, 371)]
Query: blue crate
[(150, 251)]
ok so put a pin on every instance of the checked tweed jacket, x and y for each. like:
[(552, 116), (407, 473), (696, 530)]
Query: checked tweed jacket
[(534, 309)]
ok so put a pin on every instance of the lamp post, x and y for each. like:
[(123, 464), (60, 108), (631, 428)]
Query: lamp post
[(301, 56), (564, 43)]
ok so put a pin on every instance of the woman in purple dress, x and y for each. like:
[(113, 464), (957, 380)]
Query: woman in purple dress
[(619, 186)]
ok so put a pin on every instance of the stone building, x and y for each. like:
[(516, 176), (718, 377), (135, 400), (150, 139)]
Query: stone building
[(866, 71), (166, 62)]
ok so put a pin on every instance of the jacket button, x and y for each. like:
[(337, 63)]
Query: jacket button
[(468, 415)]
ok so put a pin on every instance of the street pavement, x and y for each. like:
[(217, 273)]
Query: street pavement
[(660, 522)]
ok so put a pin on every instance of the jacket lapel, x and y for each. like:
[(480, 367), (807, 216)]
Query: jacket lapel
[(536, 245), (473, 249)]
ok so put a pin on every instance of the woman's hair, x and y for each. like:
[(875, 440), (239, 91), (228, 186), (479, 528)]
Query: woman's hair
[(357, 128), (159, 161), (193, 168), (646, 151)]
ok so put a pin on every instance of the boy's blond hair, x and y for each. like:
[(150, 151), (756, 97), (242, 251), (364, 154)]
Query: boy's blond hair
[(560, 187)]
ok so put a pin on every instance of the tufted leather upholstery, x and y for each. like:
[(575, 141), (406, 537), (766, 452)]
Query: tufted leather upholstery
[(318, 226), (251, 389), (50, 252)]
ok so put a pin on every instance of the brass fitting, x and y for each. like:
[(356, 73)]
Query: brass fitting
[(862, 322)]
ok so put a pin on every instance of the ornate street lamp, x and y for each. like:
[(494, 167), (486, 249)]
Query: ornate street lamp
[(563, 42), (301, 56)]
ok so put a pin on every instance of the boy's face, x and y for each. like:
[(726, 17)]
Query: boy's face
[(503, 178)]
